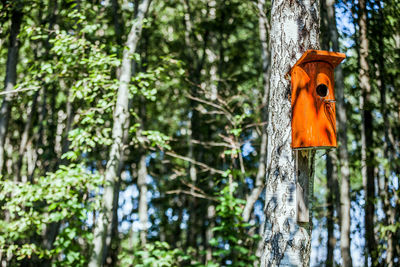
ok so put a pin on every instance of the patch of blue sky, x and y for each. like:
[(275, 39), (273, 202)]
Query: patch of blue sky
[(247, 148), (249, 182), (344, 22)]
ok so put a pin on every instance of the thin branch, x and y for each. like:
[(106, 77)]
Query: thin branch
[(211, 143), (254, 124), (19, 90), (193, 187), (205, 166), (194, 194), (226, 112)]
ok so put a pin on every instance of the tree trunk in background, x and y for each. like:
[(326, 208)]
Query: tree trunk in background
[(192, 120), (331, 177), (210, 226), (113, 243), (11, 77), (102, 229), (367, 157), (345, 202), (331, 156), (142, 185), (193, 123), (118, 23), (24, 137), (287, 242), (385, 192), (264, 28), (142, 166)]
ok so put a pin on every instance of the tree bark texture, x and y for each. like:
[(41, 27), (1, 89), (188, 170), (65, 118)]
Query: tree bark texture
[(287, 242), (367, 168), (11, 77), (102, 229)]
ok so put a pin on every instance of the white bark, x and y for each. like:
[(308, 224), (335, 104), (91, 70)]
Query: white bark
[(102, 230), (143, 218), (294, 29)]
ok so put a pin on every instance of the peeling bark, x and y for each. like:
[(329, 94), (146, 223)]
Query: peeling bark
[(287, 242)]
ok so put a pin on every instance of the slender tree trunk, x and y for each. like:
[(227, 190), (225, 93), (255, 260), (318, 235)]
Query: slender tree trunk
[(25, 135), (264, 28), (387, 145), (11, 77), (68, 125), (193, 124), (38, 136), (367, 168), (331, 157), (209, 231), (102, 229), (344, 199), (118, 23), (287, 241), (331, 176), (142, 184)]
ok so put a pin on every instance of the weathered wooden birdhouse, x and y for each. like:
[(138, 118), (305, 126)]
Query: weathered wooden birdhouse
[(313, 100)]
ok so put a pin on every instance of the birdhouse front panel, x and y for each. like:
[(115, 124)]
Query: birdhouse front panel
[(313, 100)]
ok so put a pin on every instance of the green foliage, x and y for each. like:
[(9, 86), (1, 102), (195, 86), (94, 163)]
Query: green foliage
[(157, 254), (232, 244), (196, 90), (63, 199)]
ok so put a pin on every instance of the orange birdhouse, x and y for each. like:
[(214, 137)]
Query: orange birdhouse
[(313, 100)]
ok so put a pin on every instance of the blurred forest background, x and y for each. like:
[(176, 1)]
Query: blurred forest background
[(132, 133)]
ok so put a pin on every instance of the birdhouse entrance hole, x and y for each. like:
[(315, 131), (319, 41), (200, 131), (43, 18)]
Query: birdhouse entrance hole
[(322, 90)]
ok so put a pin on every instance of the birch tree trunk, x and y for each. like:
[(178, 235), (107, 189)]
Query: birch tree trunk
[(367, 168), (102, 229), (142, 184), (11, 76), (264, 28), (287, 242), (344, 209)]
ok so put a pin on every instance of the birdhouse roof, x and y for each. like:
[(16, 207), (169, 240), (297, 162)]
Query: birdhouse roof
[(333, 58)]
